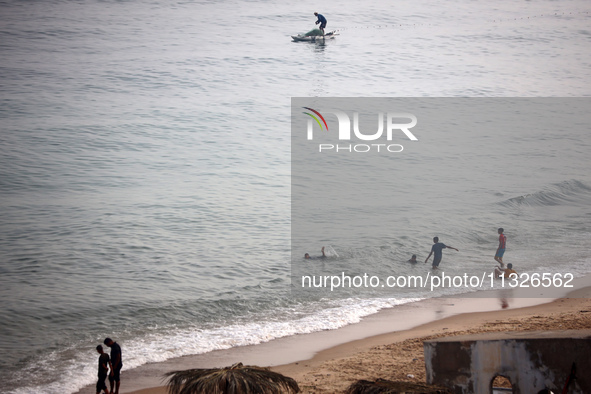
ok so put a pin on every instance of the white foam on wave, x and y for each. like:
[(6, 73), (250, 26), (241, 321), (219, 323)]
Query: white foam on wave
[(159, 347)]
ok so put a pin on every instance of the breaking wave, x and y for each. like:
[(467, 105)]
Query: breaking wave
[(562, 193)]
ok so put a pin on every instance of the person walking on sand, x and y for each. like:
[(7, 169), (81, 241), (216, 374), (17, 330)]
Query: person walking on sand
[(116, 364), (501, 249), (104, 363), (437, 249)]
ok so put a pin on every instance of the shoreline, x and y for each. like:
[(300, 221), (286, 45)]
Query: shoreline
[(302, 356)]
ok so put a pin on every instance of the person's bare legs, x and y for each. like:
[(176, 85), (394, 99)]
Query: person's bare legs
[(500, 261)]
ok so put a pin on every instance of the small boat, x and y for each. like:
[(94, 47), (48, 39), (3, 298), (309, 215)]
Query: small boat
[(315, 36)]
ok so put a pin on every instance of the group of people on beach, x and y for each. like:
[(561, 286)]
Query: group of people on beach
[(108, 363)]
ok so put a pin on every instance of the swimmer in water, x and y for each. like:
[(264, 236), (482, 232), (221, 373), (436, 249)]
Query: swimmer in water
[(308, 257)]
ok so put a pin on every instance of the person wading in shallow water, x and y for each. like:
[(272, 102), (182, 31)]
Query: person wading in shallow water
[(437, 249), (501, 249)]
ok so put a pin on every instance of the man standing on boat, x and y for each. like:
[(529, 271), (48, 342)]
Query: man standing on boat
[(321, 20)]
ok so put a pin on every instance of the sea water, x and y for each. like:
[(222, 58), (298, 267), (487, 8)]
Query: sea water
[(145, 166)]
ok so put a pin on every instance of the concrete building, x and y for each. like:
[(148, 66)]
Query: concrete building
[(531, 361)]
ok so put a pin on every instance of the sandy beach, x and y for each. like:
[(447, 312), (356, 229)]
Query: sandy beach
[(392, 355), (399, 355)]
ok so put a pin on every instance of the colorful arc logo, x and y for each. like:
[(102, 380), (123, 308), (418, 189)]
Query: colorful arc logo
[(315, 118)]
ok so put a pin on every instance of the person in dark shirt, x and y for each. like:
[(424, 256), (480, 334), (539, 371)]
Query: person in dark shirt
[(437, 250), (116, 364), (321, 20), (104, 363)]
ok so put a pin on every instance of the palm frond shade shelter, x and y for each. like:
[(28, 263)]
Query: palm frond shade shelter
[(236, 379), (382, 386)]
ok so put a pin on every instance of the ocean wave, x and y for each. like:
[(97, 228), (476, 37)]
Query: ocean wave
[(565, 192)]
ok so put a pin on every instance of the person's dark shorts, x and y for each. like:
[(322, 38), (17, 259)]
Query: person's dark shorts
[(116, 375), (500, 253), (436, 261), (323, 25), (100, 384)]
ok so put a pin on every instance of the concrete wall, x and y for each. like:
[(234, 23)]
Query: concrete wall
[(532, 361)]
